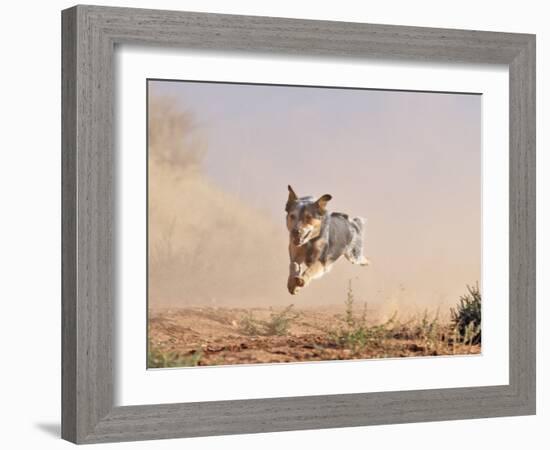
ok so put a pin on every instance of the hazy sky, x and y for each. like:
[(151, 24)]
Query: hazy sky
[(409, 162)]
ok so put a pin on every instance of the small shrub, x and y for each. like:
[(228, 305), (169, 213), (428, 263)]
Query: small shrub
[(250, 326), (354, 333), (431, 333), (466, 317), (278, 324)]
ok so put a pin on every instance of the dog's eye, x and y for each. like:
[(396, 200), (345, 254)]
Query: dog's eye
[(293, 216)]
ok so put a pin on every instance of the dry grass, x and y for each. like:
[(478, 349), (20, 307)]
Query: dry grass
[(157, 357), (278, 323), (220, 336), (427, 332)]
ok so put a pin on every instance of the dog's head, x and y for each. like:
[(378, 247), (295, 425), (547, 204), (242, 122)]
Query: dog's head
[(304, 216)]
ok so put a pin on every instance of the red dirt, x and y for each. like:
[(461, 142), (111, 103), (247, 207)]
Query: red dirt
[(216, 336)]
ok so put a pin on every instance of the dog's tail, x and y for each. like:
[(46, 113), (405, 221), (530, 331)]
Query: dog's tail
[(359, 223)]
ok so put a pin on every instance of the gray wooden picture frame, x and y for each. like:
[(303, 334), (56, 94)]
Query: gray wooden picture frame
[(90, 34)]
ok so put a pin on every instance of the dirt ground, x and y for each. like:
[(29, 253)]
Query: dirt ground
[(221, 336)]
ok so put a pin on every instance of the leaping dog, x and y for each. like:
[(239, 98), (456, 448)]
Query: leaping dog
[(318, 238)]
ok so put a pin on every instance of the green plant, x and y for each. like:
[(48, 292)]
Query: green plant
[(466, 317), (278, 323), (158, 358), (353, 332), (431, 333)]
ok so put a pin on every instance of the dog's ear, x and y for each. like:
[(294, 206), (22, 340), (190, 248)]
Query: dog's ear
[(322, 203), (292, 197)]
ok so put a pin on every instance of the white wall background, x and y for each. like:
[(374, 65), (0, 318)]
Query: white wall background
[(30, 222)]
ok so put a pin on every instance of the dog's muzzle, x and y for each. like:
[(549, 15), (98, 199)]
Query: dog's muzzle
[(299, 238)]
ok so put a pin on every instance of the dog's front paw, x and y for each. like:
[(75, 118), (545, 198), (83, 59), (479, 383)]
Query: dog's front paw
[(294, 284)]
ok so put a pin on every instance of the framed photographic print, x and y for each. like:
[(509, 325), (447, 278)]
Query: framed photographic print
[(278, 224)]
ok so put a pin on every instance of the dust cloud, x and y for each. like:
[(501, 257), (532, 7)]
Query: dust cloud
[(210, 246)]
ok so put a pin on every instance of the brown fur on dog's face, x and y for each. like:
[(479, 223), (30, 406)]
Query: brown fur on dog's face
[(304, 217)]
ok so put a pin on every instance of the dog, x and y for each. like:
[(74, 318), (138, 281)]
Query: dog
[(318, 238)]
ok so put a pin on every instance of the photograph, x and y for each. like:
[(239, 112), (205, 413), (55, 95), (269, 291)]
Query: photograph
[(305, 223), (299, 223)]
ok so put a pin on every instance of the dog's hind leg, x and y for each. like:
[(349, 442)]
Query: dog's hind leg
[(315, 270), (355, 253)]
